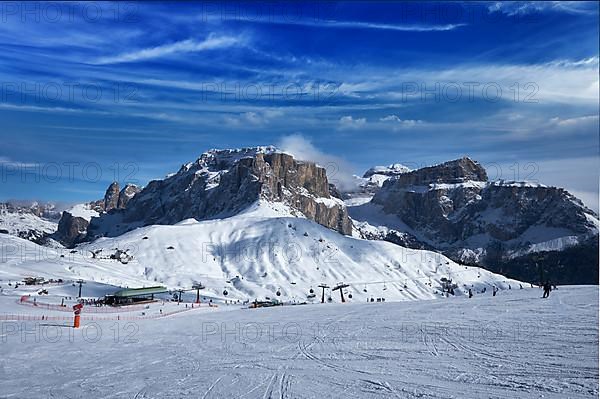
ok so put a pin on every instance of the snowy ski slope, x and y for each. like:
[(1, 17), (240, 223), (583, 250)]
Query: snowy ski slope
[(513, 345), (255, 254)]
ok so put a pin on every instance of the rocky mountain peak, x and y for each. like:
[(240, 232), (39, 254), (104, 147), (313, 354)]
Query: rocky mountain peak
[(115, 197), (126, 194), (73, 224), (391, 170), (71, 229), (451, 172), (453, 208), (224, 182), (222, 159), (111, 197)]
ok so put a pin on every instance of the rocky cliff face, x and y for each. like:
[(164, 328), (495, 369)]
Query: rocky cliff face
[(72, 228), (453, 208), (111, 197), (125, 195), (222, 183), (372, 180), (450, 172), (115, 197)]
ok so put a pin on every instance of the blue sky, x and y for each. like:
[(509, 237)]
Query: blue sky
[(95, 92)]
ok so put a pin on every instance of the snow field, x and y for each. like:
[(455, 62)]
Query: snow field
[(512, 345)]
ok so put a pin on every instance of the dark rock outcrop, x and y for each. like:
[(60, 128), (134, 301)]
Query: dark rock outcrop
[(450, 172), (372, 180), (126, 194), (111, 197), (389, 171), (222, 183), (115, 198), (453, 208), (71, 229)]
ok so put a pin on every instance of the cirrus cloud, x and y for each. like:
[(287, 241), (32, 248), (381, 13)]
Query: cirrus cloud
[(212, 42)]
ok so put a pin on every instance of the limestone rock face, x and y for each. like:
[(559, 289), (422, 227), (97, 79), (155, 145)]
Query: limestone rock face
[(126, 194), (223, 182), (111, 198), (392, 170), (71, 229), (450, 172), (453, 208)]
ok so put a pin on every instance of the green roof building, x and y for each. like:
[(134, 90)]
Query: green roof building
[(134, 295)]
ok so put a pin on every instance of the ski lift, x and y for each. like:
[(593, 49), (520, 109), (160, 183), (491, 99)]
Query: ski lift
[(278, 293), (350, 295), (225, 292), (384, 286), (311, 291), (329, 299), (365, 289)]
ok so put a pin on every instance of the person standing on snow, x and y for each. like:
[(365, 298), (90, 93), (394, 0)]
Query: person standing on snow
[(470, 293), (547, 289)]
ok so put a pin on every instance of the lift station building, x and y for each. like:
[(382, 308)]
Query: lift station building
[(130, 296)]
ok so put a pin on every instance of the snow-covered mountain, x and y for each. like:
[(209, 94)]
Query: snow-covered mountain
[(505, 226), (451, 208), (74, 222), (32, 221), (263, 250), (371, 181), (223, 183)]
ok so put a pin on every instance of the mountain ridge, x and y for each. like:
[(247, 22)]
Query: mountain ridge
[(451, 207)]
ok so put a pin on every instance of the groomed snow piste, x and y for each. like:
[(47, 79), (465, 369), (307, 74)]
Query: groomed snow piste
[(513, 345), (253, 255)]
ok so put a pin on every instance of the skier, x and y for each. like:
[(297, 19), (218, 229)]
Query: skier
[(547, 289), (495, 291), (470, 293)]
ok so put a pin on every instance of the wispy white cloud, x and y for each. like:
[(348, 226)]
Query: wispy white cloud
[(337, 24), (370, 25), (588, 120), (398, 122), (37, 108), (253, 118), (559, 81), (212, 42), (516, 8), (339, 171), (348, 122), (7, 162)]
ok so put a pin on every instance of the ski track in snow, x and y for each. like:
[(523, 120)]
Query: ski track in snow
[(512, 345)]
